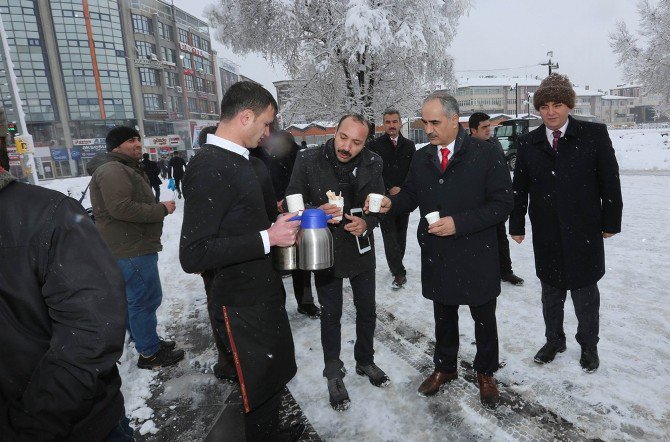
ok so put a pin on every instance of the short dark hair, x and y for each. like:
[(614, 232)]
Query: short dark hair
[(391, 111), (246, 95), (202, 136), (476, 119), (356, 117), (145, 156)]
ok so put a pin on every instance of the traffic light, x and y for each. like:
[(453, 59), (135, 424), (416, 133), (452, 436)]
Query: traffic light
[(11, 128)]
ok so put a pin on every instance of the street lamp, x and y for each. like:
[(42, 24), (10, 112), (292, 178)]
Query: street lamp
[(516, 98)]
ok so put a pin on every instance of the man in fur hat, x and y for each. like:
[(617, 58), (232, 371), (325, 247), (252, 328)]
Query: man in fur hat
[(568, 170)]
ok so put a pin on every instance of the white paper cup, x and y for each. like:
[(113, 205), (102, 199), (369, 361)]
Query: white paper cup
[(339, 203), (375, 202), (433, 217), (294, 202)]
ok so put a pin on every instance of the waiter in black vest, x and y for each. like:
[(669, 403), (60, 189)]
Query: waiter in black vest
[(226, 236)]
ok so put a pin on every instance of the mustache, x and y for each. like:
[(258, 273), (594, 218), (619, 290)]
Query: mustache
[(344, 153)]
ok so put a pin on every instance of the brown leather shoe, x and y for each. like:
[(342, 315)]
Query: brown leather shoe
[(488, 391), (433, 382)]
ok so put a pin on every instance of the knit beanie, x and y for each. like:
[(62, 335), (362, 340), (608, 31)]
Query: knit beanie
[(119, 135), (555, 88)]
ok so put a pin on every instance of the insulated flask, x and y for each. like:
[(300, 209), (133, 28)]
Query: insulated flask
[(314, 241)]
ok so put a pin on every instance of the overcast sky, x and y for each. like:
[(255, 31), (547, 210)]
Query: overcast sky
[(509, 36)]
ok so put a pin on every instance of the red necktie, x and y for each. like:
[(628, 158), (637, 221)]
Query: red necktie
[(557, 135), (394, 142), (445, 158)]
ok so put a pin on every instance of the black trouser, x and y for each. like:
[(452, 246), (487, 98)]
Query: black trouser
[(503, 250), (220, 336), (446, 337), (177, 184), (302, 286), (587, 310), (262, 423), (329, 291), (394, 232), (157, 191)]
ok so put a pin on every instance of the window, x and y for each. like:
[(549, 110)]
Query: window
[(183, 36), (153, 102), (207, 66), (149, 77), (212, 107), (189, 82), (165, 31), (199, 84), (169, 55), (186, 60), (145, 49), (197, 41), (205, 45), (198, 63), (142, 24), (171, 79), (174, 105), (192, 104)]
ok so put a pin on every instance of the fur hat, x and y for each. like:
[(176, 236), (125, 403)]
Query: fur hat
[(119, 135), (555, 88)]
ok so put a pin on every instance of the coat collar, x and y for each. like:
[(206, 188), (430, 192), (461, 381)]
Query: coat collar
[(538, 135), (460, 147), (365, 164)]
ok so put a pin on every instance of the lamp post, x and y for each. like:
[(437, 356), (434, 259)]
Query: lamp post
[(25, 140)]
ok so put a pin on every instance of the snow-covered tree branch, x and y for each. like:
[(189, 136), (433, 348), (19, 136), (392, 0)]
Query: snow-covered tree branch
[(348, 55), (646, 58)]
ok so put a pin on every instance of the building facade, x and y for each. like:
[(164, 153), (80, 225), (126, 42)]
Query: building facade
[(84, 66)]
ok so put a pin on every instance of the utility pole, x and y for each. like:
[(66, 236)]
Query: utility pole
[(516, 99), (549, 64), (24, 142)]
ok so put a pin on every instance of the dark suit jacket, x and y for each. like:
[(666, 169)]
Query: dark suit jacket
[(475, 190), (396, 160), (313, 175), (225, 209), (575, 195)]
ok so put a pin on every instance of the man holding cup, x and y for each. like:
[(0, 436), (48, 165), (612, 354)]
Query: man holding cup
[(464, 180), (344, 167), (226, 236)]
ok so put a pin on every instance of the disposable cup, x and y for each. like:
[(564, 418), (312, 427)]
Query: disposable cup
[(433, 217), (375, 202), (294, 203), (339, 202)]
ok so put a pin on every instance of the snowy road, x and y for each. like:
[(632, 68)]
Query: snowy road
[(627, 398)]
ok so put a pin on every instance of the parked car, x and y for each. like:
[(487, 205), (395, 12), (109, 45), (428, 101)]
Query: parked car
[(508, 132)]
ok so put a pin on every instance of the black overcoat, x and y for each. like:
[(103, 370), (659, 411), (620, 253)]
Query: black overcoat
[(313, 175), (575, 195), (224, 213), (396, 159), (475, 190)]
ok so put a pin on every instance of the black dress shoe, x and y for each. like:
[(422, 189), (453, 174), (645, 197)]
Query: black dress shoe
[(399, 282), (589, 360), (548, 352), (512, 278), (309, 310)]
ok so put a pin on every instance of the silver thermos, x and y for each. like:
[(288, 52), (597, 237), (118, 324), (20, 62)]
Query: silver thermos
[(314, 245)]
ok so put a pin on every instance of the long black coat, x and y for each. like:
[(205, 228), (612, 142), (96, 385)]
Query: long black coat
[(396, 159), (575, 195), (153, 171), (224, 213), (63, 314), (475, 190), (314, 175)]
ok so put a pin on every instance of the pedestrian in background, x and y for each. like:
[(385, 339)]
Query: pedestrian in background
[(131, 222), (153, 171), (176, 170)]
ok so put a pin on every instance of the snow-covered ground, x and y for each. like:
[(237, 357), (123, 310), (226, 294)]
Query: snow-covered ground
[(627, 398)]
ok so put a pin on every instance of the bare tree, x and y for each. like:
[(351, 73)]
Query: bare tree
[(645, 58), (347, 55)]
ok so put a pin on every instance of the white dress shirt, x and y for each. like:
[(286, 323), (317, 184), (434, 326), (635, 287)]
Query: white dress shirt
[(450, 146), (550, 133), (243, 151)]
